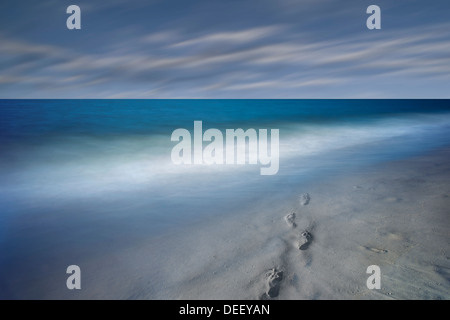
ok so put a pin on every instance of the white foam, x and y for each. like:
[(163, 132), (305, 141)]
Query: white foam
[(144, 163)]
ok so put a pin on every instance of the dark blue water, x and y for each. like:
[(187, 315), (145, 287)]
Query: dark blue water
[(34, 118)]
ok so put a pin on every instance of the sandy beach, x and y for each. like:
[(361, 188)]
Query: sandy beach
[(394, 215)]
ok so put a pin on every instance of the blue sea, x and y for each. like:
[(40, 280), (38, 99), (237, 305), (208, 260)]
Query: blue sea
[(77, 175)]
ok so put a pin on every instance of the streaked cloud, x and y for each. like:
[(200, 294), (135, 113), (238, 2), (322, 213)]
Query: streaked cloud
[(228, 61), (232, 37)]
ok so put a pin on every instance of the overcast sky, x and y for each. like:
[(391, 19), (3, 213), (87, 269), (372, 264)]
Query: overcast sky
[(224, 49)]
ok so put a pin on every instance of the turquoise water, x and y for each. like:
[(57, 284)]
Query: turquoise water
[(26, 118), (67, 150), (61, 151)]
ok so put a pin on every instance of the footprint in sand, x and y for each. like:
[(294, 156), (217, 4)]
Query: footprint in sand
[(273, 281), (290, 220), (305, 240), (304, 199), (376, 250)]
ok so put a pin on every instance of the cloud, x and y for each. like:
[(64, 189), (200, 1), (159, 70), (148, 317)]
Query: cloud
[(231, 37), (263, 61)]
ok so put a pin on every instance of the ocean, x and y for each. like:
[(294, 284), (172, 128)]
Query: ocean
[(78, 175)]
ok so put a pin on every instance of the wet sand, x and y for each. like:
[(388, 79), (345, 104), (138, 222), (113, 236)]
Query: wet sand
[(316, 244)]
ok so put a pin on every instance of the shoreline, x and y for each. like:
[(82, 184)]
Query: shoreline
[(393, 214)]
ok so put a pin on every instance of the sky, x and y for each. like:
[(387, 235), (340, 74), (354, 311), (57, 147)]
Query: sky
[(224, 49)]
